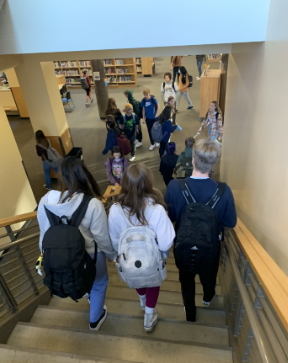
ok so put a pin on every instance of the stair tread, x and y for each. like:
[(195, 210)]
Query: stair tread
[(165, 296), (12, 354), (129, 325), (124, 306), (102, 344)]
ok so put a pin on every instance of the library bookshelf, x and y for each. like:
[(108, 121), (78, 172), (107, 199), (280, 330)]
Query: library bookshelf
[(145, 66), (118, 72), (213, 58)]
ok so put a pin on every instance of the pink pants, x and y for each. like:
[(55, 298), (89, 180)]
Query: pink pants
[(152, 294)]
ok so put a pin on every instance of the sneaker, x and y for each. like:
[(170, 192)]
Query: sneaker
[(157, 144), (191, 319), (138, 144), (132, 158), (189, 108), (150, 320), (45, 187), (97, 325), (91, 100), (151, 147), (86, 104), (207, 303), (198, 78)]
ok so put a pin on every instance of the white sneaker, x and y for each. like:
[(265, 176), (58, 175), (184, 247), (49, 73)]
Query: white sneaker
[(138, 144), (157, 144), (198, 78), (132, 158), (151, 147), (150, 320)]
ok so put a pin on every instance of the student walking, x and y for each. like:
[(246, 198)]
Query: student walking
[(49, 156), (213, 119), (168, 162), (113, 110), (115, 166), (86, 85), (168, 88), (142, 205), (129, 123), (184, 162), (136, 109), (150, 108), (112, 133), (198, 190), (176, 63), (199, 60), (167, 128), (75, 183), (171, 103), (184, 87)]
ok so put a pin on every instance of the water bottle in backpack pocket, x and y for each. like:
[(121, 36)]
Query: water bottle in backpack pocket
[(140, 262), (197, 238)]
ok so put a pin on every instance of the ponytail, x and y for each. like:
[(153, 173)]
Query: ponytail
[(184, 75)]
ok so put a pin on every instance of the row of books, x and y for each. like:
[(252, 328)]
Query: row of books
[(214, 56), (111, 79), (69, 64), (84, 63), (70, 73), (110, 70), (121, 70), (72, 80), (138, 60), (107, 62), (57, 64), (124, 78), (119, 62), (139, 69)]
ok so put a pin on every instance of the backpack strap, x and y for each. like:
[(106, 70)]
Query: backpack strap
[(217, 195), (186, 192), (79, 213), (53, 219), (164, 86), (173, 86)]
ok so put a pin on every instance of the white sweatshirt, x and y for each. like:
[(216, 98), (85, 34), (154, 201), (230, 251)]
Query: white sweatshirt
[(93, 227), (168, 90), (159, 223)]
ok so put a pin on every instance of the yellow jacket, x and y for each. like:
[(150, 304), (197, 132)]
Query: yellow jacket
[(183, 87)]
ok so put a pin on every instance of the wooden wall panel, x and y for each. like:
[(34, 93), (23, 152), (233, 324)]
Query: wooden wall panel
[(19, 100)]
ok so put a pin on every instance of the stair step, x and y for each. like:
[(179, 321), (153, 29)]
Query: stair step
[(114, 280), (138, 349), (171, 275), (129, 325), (165, 296), (11, 354), (123, 306)]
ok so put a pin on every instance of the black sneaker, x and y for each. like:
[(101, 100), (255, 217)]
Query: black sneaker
[(189, 108), (97, 325)]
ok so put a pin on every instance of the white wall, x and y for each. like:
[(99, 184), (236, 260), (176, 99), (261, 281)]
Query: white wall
[(255, 147), (34, 26)]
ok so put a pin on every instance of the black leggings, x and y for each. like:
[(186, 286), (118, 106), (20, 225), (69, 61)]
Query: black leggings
[(162, 148)]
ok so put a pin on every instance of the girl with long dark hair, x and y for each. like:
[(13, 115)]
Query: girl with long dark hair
[(138, 198), (42, 147), (75, 182), (112, 133), (113, 110), (184, 87), (167, 127)]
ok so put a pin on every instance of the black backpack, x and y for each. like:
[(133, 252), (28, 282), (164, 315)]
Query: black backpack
[(69, 270), (197, 238), (153, 102), (172, 86)]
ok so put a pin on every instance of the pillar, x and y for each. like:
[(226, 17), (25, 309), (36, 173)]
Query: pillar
[(224, 68), (43, 101), (101, 90), (16, 195)]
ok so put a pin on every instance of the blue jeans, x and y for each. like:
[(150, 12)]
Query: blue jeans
[(98, 292), (47, 170), (199, 65), (213, 138)]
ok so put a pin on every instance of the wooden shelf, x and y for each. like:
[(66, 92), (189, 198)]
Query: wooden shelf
[(71, 75), (111, 74), (126, 81), (124, 74)]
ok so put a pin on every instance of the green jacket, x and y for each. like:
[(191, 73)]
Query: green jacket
[(186, 153), (133, 102), (201, 57)]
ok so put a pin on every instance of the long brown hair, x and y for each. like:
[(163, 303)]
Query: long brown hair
[(137, 186), (217, 109), (41, 138), (165, 114), (74, 177), (111, 107)]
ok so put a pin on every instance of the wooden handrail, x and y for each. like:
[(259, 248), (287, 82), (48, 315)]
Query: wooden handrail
[(272, 278), (16, 219)]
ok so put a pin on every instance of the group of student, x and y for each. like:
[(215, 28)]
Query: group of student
[(140, 205)]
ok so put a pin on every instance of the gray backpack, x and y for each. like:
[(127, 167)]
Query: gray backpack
[(54, 158), (140, 262), (156, 132), (84, 82)]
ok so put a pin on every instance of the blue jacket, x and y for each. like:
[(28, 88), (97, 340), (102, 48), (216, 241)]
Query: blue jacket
[(167, 129), (202, 190), (110, 141)]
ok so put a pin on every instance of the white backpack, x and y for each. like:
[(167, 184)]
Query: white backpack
[(140, 262), (54, 158)]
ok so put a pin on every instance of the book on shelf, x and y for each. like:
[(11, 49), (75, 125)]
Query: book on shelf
[(111, 79), (110, 70), (214, 56), (73, 81), (119, 62), (121, 70), (57, 64), (107, 62), (139, 69), (138, 60), (69, 64), (71, 73), (84, 63)]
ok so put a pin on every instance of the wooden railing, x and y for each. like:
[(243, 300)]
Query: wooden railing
[(20, 218)]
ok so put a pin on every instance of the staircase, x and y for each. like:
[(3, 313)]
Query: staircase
[(60, 332)]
